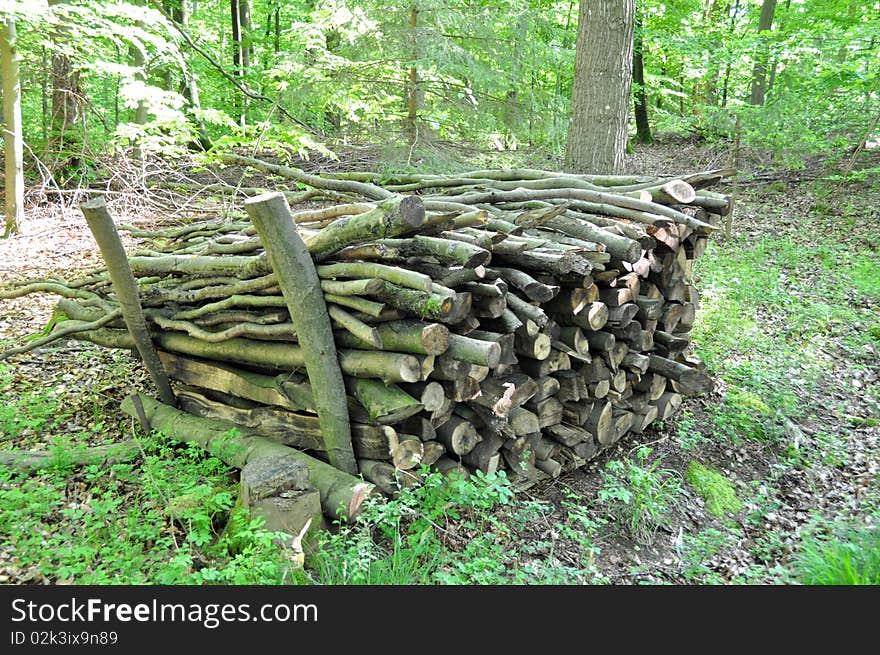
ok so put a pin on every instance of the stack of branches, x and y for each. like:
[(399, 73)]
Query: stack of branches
[(500, 319)]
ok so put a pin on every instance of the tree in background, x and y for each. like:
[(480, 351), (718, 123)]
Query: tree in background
[(601, 94), (138, 58), (488, 75), (242, 52), (759, 77), (67, 121), (189, 86), (12, 136), (640, 94)]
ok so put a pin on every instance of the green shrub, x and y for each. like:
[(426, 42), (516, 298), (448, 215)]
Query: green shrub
[(639, 495)]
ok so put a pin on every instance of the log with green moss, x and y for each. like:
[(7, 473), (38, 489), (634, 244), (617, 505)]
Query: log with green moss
[(406, 336), (391, 367), (342, 494), (392, 217), (301, 288), (288, 390), (386, 404), (537, 316)]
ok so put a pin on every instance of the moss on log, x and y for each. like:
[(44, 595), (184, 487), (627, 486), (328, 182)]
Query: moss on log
[(342, 494)]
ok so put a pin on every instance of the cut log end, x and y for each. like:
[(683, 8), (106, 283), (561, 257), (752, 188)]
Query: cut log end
[(412, 210)]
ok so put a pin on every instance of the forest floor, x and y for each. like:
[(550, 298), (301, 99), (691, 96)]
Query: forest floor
[(773, 478)]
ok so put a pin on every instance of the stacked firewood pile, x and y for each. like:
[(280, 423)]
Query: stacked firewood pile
[(502, 319)]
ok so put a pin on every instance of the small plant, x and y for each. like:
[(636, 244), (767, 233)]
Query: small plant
[(406, 540), (697, 552), (640, 495), (447, 530), (689, 435), (714, 488), (24, 412)]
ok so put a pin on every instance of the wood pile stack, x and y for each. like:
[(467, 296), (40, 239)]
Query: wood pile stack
[(519, 320)]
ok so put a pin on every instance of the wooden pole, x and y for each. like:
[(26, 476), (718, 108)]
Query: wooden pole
[(122, 279), (301, 288)]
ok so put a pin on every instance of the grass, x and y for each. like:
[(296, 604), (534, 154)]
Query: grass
[(461, 531), (779, 314), (848, 556), (775, 315), (30, 411)]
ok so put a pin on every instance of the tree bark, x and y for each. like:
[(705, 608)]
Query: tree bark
[(30, 461), (12, 133), (189, 85), (242, 49), (301, 288), (66, 119), (759, 76), (412, 90), (138, 60), (601, 92), (643, 126)]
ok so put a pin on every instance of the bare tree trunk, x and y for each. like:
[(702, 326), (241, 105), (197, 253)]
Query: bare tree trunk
[(601, 93), (713, 15), (66, 122), (412, 95), (759, 77), (241, 56), (44, 94), (138, 60), (273, 26), (12, 136), (558, 93), (774, 66), (189, 86), (728, 66), (643, 127)]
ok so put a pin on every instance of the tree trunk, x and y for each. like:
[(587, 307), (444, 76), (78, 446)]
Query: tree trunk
[(242, 49), (12, 135), (44, 94), (759, 77), (601, 92), (66, 132), (189, 87), (277, 41), (643, 127), (138, 60), (729, 65), (412, 94)]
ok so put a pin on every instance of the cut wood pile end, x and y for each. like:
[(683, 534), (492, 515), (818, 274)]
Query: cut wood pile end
[(502, 319)]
